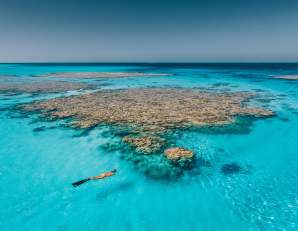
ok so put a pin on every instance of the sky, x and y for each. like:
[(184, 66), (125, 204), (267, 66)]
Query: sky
[(148, 31)]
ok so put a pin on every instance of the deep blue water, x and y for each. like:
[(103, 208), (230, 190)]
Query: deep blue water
[(37, 168)]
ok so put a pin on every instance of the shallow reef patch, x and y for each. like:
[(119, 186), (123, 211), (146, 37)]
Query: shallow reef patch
[(231, 168), (145, 144)]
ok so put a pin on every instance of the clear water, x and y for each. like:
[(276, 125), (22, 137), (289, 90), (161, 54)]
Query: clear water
[(37, 168)]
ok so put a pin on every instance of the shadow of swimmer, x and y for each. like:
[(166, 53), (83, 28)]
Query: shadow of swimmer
[(104, 193)]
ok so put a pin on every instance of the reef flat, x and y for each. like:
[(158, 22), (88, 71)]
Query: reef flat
[(90, 75), (41, 87), (152, 109)]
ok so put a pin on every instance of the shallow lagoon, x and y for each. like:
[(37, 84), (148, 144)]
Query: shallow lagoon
[(37, 168)]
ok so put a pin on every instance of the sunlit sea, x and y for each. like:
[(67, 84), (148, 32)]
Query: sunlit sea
[(37, 168)]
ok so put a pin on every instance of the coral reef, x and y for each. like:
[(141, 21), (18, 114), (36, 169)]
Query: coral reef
[(231, 168), (145, 144), (152, 109), (155, 165), (180, 156), (147, 121), (91, 75), (175, 154), (41, 87), (240, 125)]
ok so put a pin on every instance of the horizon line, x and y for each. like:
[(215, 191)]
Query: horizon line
[(127, 62)]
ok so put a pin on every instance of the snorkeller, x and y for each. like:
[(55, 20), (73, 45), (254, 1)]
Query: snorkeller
[(98, 177)]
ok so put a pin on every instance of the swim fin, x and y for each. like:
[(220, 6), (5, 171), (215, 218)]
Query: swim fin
[(76, 184)]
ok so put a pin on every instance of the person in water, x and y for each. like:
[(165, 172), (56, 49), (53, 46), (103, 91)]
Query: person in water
[(104, 175), (98, 177)]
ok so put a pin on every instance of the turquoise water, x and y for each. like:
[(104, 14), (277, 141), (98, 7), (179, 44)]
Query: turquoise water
[(37, 168)]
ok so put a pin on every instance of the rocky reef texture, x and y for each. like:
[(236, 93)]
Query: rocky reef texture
[(287, 77), (180, 156), (91, 75), (177, 153), (41, 87), (154, 166), (145, 144), (151, 109)]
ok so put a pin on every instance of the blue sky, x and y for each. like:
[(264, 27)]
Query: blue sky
[(148, 31)]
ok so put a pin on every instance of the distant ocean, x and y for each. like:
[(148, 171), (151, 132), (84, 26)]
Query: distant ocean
[(40, 159)]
